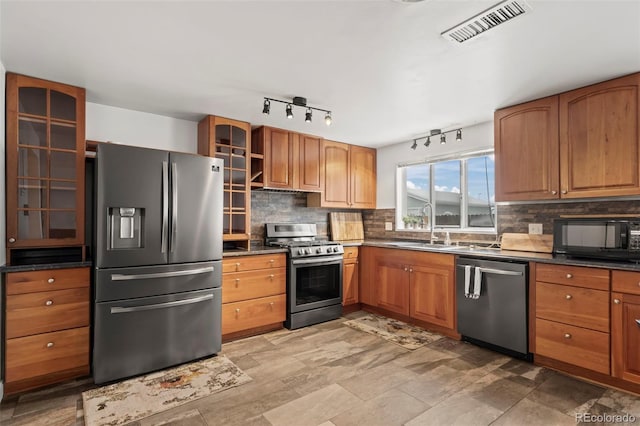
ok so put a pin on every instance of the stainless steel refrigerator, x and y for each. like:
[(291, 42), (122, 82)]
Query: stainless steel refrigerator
[(158, 260)]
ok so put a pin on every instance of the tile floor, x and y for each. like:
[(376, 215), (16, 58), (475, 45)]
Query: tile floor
[(330, 374)]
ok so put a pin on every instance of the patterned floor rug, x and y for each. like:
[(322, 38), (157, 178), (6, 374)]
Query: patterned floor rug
[(406, 335), (140, 397)]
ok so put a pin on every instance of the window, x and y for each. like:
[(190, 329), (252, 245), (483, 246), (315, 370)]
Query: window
[(455, 193)]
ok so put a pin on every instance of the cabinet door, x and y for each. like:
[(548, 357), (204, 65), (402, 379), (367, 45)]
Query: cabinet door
[(599, 138), (310, 163), (392, 290), (278, 159), (336, 174), (625, 337), (45, 163), (362, 165), (350, 283), (432, 294), (526, 150), (367, 274)]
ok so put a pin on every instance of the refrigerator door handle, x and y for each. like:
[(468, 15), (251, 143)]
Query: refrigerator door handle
[(129, 277), (122, 310), (165, 206), (174, 204)]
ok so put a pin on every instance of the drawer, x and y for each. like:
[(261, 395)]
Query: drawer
[(46, 353), (350, 253), (34, 313), (248, 263), (46, 280), (595, 278), (582, 307), (625, 282), (573, 345), (240, 316), (238, 286)]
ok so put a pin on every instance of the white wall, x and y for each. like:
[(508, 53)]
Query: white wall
[(125, 126), (477, 137)]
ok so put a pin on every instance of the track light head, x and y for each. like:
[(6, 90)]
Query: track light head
[(443, 139), (266, 107), (415, 144), (307, 116), (289, 111), (297, 101), (428, 141), (459, 135), (327, 118)]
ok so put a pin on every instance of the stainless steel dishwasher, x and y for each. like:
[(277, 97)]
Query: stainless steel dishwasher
[(492, 306)]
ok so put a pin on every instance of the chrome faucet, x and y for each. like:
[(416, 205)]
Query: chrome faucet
[(429, 206)]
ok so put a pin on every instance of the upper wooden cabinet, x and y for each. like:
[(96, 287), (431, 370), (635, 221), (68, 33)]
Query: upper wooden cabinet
[(291, 160), (45, 139), (229, 139), (579, 144), (349, 177), (599, 139), (526, 150)]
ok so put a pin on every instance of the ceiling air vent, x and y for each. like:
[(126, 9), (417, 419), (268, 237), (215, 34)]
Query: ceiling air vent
[(502, 12)]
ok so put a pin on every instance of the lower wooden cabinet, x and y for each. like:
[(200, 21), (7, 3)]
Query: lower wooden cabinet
[(625, 336), (253, 294), (47, 327), (432, 294), (350, 280)]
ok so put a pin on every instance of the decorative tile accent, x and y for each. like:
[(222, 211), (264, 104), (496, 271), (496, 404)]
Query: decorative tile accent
[(403, 334)]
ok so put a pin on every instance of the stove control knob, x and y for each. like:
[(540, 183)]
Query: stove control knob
[(319, 250), (308, 251), (336, 249), (300, 251)]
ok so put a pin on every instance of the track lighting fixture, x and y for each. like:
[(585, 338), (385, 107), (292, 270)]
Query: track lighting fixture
[(435, 132), (297, 101)]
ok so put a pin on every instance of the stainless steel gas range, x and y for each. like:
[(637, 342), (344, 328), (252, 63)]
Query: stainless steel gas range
[(314, 273)]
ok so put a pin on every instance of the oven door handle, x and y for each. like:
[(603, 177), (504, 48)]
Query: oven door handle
[(317, 260)]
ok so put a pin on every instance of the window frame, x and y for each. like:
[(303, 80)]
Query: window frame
[(401, 193)]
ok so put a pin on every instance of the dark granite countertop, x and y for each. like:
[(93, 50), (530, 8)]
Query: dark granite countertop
[(43, 266)]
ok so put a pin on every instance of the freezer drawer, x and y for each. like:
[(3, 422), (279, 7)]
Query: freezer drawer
[(144, 281), (137, 336)]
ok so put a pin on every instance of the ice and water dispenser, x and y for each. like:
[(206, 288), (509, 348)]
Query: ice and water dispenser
[(125, 228)]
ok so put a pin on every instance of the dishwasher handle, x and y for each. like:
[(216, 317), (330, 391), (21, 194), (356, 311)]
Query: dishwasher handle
[(494, 271)]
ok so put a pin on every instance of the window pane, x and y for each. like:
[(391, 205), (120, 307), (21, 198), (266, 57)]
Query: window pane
[(481, 201), (417, 195), (447, 193)]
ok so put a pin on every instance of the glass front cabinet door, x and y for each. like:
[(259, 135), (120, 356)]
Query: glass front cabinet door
[(45, 163)]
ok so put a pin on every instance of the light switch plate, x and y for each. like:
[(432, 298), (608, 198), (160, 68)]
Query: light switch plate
[(535, 228), (388, 226)]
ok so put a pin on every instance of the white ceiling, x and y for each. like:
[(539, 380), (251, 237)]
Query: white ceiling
[(381, 66)]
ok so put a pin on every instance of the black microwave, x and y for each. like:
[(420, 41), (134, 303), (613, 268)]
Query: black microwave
[(598, 238)]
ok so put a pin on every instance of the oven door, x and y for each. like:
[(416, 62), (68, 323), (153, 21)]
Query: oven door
[(314, 283)]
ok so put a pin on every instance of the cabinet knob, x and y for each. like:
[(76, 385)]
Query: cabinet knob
[(237, 282), (51, 280), (50, 344), (554, 192), (616, 301), (568, 297), (238, 266), (410, 269), (12, 240), (638, 283), (271, 304), (569, 275), (567, 336), (271, 277), (49, 302), (564, 191), (271, 261), (406, 269), (237, 312)]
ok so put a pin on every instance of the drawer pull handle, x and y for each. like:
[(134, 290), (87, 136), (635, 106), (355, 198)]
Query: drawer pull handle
[(271, 277), (567, 336), (569, 276), (51, 280), (49, 302), (50, 344), (568, 297), (616, 301)]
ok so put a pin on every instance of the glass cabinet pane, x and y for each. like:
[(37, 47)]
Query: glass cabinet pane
[(63, 136), (32, 193), (32, 133), (238, 178), (63, 165), (32, 100), (62, 224), (223, 134), (31, 224), (32, 162), (238, 201), (238, 159), (238, 137), (63, 106), (62, 195), (238, 223)]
